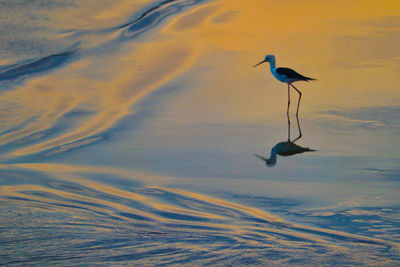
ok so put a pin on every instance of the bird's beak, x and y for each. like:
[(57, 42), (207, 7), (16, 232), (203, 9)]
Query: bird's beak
[(259, 63), (261, 157)]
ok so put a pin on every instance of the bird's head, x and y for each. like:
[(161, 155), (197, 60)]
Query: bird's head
[(268, 58), (270, 162)]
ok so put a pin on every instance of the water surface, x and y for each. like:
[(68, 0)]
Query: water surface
[(129, 128)]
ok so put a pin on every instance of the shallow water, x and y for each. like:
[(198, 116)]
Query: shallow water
[(129, 128)]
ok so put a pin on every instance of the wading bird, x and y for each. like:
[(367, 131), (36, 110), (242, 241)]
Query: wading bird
[(285, 75)]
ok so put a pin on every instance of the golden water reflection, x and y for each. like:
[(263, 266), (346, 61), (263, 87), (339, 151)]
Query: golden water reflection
[(213, 46), (197, 139)]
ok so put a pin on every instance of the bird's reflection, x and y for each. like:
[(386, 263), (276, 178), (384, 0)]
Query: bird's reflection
[(288, 148)]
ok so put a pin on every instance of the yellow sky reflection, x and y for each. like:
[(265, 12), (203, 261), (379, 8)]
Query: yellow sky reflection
[(73, 173), (335, 42), (208, 52), (108, 90), (93, 15), (158, 205), (346, 45)]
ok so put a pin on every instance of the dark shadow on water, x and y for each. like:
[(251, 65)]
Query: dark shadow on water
[(35, 66), (152, 17), (147, 20), (285, 148)]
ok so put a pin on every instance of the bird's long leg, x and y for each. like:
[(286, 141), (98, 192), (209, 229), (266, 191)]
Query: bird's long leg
[(288, 94), (298, 103), (298, 126), (288, 126)]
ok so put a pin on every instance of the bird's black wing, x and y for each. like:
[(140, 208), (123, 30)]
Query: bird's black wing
[(291, 149), (292, 74)]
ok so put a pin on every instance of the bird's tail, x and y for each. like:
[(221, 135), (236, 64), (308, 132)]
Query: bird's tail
[(310, 79), (309, 149)]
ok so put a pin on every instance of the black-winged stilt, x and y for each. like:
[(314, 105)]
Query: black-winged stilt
[(285, 75)]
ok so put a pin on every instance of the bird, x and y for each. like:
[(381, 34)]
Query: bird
[(285, 75)]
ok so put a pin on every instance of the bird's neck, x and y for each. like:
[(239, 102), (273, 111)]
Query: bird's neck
[(272, 64), (272, 159)]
